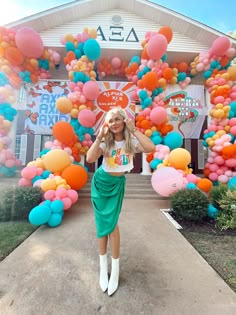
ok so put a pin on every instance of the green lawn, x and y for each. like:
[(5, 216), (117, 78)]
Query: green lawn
[(12, 234)]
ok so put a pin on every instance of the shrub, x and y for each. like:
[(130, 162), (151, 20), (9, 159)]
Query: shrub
[(227, 216), (189, 204), (16, 202), (217, 193)]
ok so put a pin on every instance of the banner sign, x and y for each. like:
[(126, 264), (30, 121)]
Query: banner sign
[(186, 109), (113, 94), (41, 113)]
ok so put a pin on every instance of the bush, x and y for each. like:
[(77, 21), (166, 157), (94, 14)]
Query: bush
[(16, 202), (217, 193), (189, 204), (227, 216)]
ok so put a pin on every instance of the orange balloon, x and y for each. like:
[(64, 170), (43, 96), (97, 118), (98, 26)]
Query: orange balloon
[(75, 175), (63, 132), (14, 56), (167, 32), (204, 184), (167, 73)]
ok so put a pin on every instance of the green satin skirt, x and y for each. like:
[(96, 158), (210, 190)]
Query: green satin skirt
[(107, 194)]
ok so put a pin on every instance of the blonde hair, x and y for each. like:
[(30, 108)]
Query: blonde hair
[(109, 136)]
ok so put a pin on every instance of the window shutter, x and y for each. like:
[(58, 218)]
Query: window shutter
[(37, 146), (23, 149), (201, 159)]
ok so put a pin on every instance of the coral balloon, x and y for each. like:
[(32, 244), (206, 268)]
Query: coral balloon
[(91, 90), (56, 160), (157, 46), (14, 56), (75, 175), (87, 118), (29, 42)]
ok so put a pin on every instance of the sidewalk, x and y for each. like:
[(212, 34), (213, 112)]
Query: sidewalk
[(55, 271)]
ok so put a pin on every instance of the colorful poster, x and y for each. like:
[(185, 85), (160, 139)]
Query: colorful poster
[(41, 112), (186, 109), (113, 94)]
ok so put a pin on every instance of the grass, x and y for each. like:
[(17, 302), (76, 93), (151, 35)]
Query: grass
[(13, 234), (218, 248)]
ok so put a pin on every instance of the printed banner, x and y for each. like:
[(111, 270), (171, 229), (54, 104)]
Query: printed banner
[(186, 109), (113, 94), (41, 113)]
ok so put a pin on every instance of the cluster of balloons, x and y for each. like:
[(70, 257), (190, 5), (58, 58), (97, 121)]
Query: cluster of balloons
[(59, 176), (115, 66), (23, 57), (8, 161)]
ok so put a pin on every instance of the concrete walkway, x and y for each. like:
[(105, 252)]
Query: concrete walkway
[(55, 271)]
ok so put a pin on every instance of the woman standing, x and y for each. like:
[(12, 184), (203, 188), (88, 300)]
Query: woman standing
[(121, 140)]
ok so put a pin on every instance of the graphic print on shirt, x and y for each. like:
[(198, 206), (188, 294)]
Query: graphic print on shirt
[(117, 158)]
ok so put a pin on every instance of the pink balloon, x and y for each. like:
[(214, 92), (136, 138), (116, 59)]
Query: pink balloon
[(220, 46), (49, 195), (158, 115), (86, 118), (91, 90), (116, 62), (223, 179), (233, 130), (29, 172), (191, 178), (157, 46), (73, 195), (29, 42), (25, 182), (213, 177), (10, 163), (167, 180), (61, 192), (67, 203)]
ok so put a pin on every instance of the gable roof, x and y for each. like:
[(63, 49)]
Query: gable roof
[(189, 36)]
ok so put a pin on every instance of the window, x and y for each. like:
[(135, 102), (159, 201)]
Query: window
[(17, 146)]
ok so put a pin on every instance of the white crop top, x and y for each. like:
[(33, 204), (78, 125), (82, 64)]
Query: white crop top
[(117, 160)]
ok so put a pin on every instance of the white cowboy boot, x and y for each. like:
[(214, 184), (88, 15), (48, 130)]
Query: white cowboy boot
[(114, 278), (103, 280)]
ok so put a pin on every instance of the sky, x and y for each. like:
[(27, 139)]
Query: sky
[(219, 15)]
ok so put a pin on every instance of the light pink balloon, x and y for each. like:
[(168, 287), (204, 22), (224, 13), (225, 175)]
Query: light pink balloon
[(49, 195), (220, 46), (166, 180), (223, 179), (29, 42), (29, 172), (67, 203), (73, 195), (25, 182), (213, 177), (116, 62)]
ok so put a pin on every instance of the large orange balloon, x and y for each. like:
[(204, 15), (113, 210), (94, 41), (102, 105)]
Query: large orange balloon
[(179, 158), (64, 132), (75, 175), (14, 56)]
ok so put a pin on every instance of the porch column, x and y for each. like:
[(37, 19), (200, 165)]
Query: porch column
[(145, 165)]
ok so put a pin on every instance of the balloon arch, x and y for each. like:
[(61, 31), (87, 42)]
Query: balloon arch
[(57, 170)]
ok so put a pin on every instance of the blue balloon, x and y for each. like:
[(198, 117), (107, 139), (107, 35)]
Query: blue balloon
[(45, 174), (173, 140), (143, 94), (191, 186), (92, 49), (232, 183), (212, 211), (55, 220), (70, 46), (57, 206), (40, 214)]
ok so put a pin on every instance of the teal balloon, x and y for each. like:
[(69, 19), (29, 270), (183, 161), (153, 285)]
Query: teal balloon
[(39, 215), (232, 183), (55, 220), (92, 49), (173, 140), (212, 211), (191, 186), (57, 206)]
